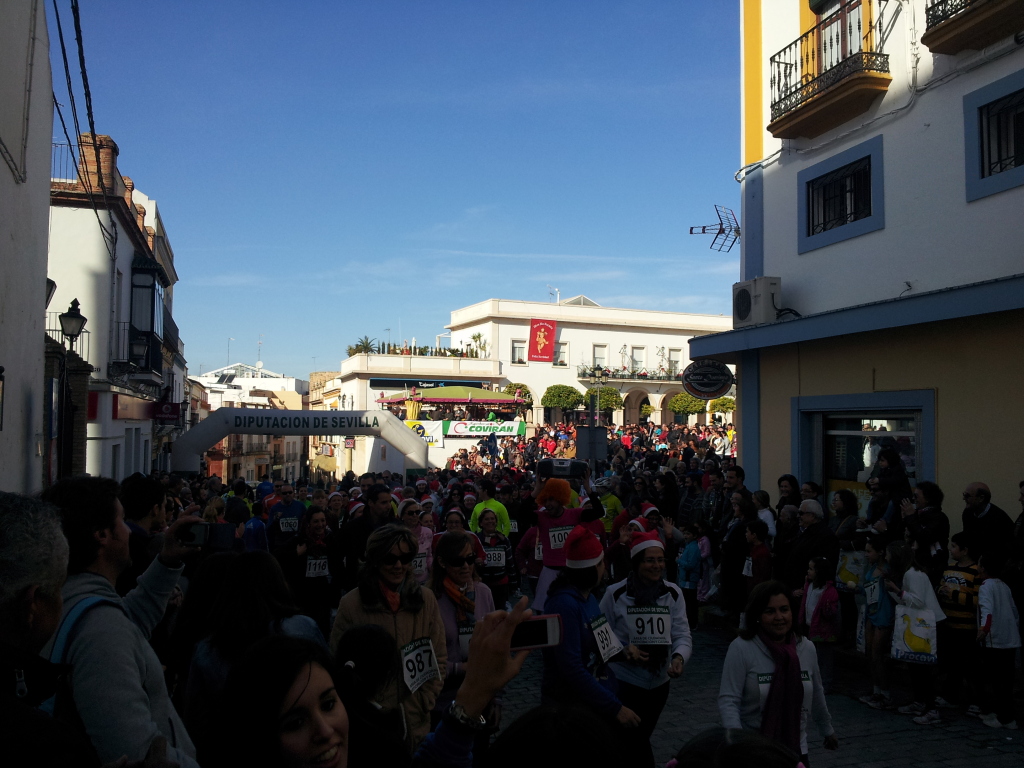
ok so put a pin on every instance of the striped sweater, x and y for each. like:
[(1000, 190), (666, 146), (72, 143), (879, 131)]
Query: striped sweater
[(960, 606)]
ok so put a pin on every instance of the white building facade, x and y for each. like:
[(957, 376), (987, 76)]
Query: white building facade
[(883, 184), (117, 262), (26, 120)]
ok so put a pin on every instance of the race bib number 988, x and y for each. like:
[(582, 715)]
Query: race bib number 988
[(419, 664), (495, 557)]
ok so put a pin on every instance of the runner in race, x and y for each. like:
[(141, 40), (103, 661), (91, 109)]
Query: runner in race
[(648, 616), (554, 522), (388, 595), (410, 514), (499, 569), (576, 670)]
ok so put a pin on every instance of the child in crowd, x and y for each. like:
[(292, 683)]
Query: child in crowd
[(999, 636), (704, 544), (917, 592), (820, 619), (880, 614), (957, 635), (688, 566)]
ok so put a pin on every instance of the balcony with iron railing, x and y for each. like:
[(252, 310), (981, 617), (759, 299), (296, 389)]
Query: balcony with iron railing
[(831, 73), (959, 25), (583, 373), (80, 346)]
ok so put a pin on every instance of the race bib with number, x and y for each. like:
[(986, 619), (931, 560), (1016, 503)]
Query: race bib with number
[(465, 635), (316, 566), (871, 592), (494, 557), (513, 526), (419, 664), (649, 625), (557, 536), (289, 524), (748, 567), (538, 551), (607, 643), (419, 564)]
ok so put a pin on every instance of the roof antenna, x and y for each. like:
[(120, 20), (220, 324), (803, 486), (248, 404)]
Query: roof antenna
[(552, 291), (726, 231)]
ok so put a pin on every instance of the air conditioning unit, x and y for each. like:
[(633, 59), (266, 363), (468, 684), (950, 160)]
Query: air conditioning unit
[(756, 301)]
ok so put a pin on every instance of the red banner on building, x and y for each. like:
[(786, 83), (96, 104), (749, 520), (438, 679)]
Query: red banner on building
[(542, 341)]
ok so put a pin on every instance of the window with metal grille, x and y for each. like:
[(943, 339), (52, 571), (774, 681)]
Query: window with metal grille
[(840, 197), (1002, 134)]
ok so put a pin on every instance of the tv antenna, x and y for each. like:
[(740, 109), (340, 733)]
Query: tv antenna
[(726, 231), (552, 291)]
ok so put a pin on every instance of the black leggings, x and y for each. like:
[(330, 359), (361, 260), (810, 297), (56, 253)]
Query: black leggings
[(648, 704), (692, 607)]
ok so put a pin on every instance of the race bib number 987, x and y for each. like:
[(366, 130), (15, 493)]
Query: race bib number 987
[(419, 664)]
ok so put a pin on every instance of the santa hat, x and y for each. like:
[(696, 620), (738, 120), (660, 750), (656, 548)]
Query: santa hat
[(427, 498), (335, 493), (405, 504), (639, 523), (420, 482), (646, 508), (469, 497), (355, 492), (642, 541), (354, 506), (582, 549), (396, 497)]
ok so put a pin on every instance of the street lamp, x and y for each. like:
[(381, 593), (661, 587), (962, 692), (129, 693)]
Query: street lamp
[(140, 346), (72, 322)]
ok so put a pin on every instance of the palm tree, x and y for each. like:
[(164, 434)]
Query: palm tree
[(478, 340), (364, 346)]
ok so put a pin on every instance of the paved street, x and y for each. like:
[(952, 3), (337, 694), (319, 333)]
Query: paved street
[(867, 738)]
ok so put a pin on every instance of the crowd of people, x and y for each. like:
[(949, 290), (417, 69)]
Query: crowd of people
[(370, 622)]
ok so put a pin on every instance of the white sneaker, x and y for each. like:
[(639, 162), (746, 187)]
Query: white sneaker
[(917, 708), (941, 703), (991, 720), (974, 711), (929, 718)]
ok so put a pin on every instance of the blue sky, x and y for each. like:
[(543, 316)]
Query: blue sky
[(329, 170)]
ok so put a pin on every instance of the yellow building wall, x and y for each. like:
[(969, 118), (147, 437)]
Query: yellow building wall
[(968, 362)]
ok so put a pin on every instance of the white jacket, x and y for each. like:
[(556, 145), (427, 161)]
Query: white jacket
[(919, 593), (747, 675), (614, 606), (995, 600)]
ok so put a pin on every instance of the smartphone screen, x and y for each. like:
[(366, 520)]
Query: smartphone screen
[(196, 534), (533, 633)]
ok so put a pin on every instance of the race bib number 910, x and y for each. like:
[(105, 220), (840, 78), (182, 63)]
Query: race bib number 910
[(649, 625), (419, 664)]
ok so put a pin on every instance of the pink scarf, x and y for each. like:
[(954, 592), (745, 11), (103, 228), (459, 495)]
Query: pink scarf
[(780, 719)]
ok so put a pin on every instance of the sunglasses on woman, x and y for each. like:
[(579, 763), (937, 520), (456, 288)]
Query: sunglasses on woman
[(405, 558), (458, 562)]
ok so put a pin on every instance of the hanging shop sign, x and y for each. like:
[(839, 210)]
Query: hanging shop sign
[(708, 379)]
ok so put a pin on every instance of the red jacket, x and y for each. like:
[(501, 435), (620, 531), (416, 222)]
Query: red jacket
[(825, 624)]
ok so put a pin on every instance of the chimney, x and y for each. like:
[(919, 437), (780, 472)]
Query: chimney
[(129, 185), (150, 237), (140, 217), (107, 150)]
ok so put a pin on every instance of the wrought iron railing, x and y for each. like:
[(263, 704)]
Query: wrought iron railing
[(79, 346), (939, 11), (633, 374), (845, 42), (64, 163)]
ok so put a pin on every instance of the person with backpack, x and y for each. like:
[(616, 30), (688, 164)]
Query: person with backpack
[(117, 681)]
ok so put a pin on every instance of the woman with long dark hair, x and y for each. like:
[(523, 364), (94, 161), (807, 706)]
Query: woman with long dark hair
[(648, 616), (770, 680), (789, 493), (389, 596), (253, 602), (309, 562)]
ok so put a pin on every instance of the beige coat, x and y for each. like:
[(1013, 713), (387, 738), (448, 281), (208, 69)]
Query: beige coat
[(405, 627)]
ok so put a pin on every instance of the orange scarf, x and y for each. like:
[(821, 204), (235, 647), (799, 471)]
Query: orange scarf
[(464, 607), (393, 598)]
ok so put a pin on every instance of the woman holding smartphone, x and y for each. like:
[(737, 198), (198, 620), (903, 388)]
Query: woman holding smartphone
[(648, 617)]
